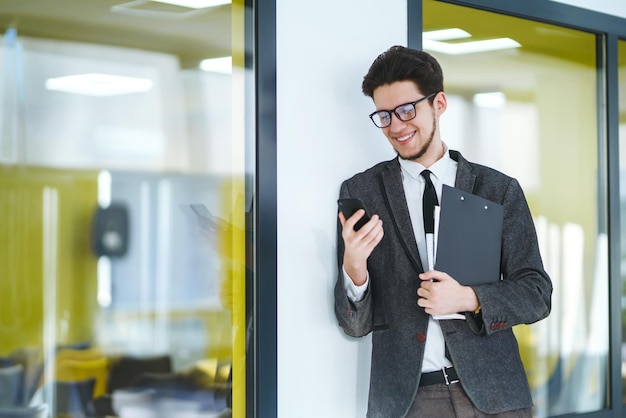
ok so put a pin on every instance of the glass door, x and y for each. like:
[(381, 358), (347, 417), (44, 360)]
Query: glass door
[(124, 165), (522, 98), (622, 181)]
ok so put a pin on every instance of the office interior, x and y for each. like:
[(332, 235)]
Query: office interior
[(164, 250)]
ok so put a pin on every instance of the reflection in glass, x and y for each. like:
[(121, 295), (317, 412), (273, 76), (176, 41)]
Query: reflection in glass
[(506, 109), (123, 188)]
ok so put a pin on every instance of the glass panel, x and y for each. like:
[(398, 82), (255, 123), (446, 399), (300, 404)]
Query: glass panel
[(529, 109), (622, 166), (124, 161)]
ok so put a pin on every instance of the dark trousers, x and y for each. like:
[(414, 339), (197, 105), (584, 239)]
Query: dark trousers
[(450, 401)]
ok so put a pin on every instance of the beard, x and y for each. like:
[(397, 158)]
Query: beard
[(424, 148)]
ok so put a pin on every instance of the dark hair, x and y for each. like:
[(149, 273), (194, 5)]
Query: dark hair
[(399, 63)]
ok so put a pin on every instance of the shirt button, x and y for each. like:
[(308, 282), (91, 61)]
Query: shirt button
[(421, 337)]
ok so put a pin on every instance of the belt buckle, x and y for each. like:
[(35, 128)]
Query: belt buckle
[(445, 377)]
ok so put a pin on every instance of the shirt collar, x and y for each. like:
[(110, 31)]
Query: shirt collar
[(439, 168)]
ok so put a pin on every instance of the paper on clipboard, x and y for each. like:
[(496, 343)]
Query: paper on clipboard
[(437, 215)]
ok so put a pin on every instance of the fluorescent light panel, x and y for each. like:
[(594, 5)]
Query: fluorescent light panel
[(223, 65), (494, 100), (432, 41), (99, 85), (446, 34), (195, 4)]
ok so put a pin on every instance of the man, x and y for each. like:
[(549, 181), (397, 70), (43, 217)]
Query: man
[(420, 366)]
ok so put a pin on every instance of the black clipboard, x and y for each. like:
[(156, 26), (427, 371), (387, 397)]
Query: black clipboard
[(469, 238)]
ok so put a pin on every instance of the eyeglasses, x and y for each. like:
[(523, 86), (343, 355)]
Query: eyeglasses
[(404, 112)]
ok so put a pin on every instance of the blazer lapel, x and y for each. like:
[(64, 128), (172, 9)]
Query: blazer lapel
[(465, 179), (396, 202)]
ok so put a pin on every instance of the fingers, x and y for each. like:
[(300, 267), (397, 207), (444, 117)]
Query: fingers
[(352, 220), (373, 231), (360, 244), (426, 304), (444, 295), (342, 219), (428, 297), (370, 232), (434, 275), (379, 235)]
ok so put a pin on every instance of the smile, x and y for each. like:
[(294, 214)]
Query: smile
[(405, 137)]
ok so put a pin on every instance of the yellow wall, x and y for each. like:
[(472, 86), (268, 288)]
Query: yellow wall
[(32, 201)]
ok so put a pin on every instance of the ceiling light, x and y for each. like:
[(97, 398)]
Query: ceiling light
[(99, 85), (446, 34), (195, 4), (432, 41), (470, 47), (222, 65), (494, 100)]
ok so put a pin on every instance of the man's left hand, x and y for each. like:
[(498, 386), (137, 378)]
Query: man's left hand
[(440, 294)]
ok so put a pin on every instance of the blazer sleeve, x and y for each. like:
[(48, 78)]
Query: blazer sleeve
[(523, 296), (356, 318)]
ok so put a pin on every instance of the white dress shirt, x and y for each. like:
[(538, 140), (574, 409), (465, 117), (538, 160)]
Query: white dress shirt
[(443, 172)]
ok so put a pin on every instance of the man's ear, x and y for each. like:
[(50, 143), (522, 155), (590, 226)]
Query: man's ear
[(440, 103)]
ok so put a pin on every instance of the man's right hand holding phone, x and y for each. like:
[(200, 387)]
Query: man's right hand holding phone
[(358, 245)]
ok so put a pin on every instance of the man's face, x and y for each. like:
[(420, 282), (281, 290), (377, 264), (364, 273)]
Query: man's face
[(417, 139)]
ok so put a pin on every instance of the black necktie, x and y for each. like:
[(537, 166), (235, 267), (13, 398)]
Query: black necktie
[(429, 201)]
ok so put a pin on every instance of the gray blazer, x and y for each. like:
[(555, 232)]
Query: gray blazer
[(482, 348)]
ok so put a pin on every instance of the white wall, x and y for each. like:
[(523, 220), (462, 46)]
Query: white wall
[(324, 136)]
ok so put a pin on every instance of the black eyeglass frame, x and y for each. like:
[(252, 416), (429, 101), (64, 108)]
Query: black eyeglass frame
[(395, 111)]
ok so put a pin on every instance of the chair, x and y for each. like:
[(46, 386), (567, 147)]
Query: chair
[(103, 406), (76, 363), (11, 385), (71, 370), (124, 370), (68, 398), (31, 360), (70, 353), (59, 355), (40, 411), (75, 397), (7, 361), (163, 381)]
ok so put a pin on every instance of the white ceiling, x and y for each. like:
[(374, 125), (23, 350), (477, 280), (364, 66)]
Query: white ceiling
[(192, 35)]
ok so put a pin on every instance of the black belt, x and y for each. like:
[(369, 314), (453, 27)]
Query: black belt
[(446, 375)]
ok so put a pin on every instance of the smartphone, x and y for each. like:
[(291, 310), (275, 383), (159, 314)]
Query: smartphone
[(205, 217), (350, 205)]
